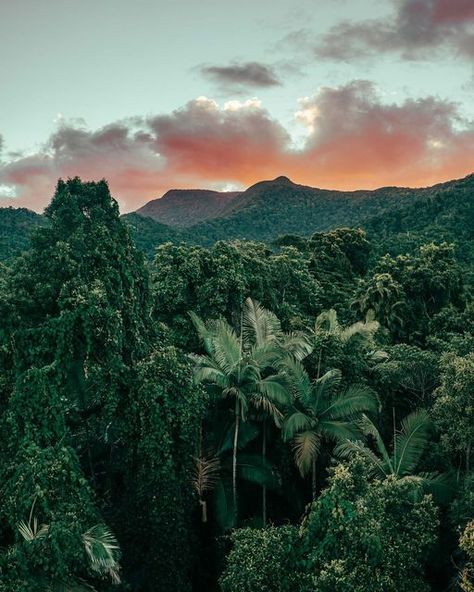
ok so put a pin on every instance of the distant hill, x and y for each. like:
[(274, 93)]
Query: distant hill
[(272, 208), (394, 217), (443, 213), (186, 207), (16, 225), (148, 233)]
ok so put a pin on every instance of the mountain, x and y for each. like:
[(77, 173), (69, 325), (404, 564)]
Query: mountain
[(272, 208), (186, 207), (396, 218), (16, 225)]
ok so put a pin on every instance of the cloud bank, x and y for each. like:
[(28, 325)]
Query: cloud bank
[(353, 140)]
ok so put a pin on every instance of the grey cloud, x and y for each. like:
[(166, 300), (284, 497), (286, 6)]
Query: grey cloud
[(418, 29), (242, 74)]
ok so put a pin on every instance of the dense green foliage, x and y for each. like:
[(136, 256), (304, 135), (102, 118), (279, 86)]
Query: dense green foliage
[(15, 229), (244, 416)]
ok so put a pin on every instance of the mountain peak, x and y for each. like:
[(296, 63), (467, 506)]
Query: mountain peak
[(282, 180)]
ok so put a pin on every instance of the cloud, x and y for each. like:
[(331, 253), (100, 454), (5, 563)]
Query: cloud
[(238, 76), (418, 29), (353, 139)]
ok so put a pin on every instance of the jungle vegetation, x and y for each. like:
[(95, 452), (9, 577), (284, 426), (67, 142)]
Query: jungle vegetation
[(295, 415)]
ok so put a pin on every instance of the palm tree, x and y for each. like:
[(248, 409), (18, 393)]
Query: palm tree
[(401, 462), (322, 411), (238, 366)]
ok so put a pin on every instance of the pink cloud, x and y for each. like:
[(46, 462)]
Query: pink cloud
[(354, 140)]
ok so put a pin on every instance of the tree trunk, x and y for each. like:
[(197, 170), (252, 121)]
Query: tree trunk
[(203, 504), (313, 479), (264, 487), (234, 456)]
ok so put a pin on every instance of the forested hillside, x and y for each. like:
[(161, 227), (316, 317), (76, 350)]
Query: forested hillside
[(271, 209), (294, 415), (16, 225), (186, 207)]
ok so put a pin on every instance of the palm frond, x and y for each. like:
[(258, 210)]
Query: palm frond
[(339, 429), (368, 428), (32, 530), (295, 422), (348, 448), (306, 446), (259, 325), (323, 387), (299, 383), (103, 551), (258, 470), (274, 388), (356, 399), (267, 408), (247, 433), (205, 474), (327, 321), (366, 330), (440, 485), (410, 442), (225, 347), (296, 344)]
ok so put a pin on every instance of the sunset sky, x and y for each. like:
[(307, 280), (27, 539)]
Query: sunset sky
[(154, 95)]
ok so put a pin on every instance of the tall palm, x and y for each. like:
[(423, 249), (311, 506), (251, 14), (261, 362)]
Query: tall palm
[(322, 411), (241, 366), (401, 462), (262, 328)]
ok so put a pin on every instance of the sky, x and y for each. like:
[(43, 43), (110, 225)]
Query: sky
[(154, 95)]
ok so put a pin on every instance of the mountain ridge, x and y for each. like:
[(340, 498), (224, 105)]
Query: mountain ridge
[(272, 208)]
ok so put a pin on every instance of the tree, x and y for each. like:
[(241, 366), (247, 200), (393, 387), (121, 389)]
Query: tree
[(264, 560), (321, 411), (403, 462), (236, 366), (351, 347), (78, 432), (466, 542), (368, 536), (453, 408)]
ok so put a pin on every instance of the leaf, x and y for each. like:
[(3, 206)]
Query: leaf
[(347, 449), (205, 474), (352, 402), (410, 442), (306, 446), (259, 326), (295, 422), (102, 550), (256, 469), (327, 321), (32, 530)]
